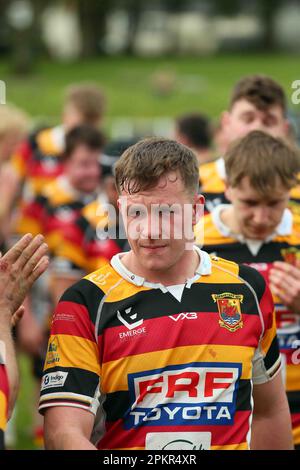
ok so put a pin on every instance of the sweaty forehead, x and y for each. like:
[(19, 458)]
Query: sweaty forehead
[(169, 186), (243, 106)]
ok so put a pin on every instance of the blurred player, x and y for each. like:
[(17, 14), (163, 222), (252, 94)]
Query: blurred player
[(49, 213), (14, 125), (257, 103), (37, 161), (194, 131), (257, 228)]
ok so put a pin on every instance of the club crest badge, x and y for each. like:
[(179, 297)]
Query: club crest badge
[(229, 306)]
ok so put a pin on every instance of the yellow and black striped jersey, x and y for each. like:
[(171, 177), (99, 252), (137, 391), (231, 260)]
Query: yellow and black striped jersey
[(283, 246), (37, 160), (157, 369), (50, 212), (81, 248)]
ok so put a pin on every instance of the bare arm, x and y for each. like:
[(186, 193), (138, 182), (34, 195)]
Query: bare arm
[(10, 357), (271, 426), (19, 268), (68, 428)]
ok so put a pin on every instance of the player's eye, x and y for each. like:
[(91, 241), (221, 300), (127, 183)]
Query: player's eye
[(135, 212)]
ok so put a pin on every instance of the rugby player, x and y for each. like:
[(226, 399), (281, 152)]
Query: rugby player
[(165, 347), (194, 130), (257, 103), (257, 228)]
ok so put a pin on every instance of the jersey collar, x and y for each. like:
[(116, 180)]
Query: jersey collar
[(220, 165), (204, 269)]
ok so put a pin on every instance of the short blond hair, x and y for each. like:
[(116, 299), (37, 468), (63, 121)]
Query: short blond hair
[(13, 120), (264, 160), (88, 98)]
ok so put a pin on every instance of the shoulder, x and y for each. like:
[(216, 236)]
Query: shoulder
[(243, 273)]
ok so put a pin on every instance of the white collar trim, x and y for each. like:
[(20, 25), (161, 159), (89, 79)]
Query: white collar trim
[(204, 269), (220, 164)]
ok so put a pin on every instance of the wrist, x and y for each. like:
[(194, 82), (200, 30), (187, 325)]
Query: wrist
[(5, 315)]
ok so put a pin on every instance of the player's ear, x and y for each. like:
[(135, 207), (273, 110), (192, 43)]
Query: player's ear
[(228, 191), (198, 208), (224, 120)]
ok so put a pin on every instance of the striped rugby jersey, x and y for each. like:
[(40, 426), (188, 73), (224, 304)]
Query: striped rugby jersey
[(50, 212), (81, 250), (283, 246), (4, 390), (37, 160), (163, 371)]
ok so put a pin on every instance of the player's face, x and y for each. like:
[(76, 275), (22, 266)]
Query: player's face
[(244, 117), (83, 169), (159, 223), (257, 217)]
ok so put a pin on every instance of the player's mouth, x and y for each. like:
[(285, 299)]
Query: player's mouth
[(153, 248)]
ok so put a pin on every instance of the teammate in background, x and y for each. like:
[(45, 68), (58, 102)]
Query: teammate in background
[(257, 103), (257, 228), (14, 125), (131, 361), (49, 213), (37, 161), (20, 267), (62, 200), (194, 131), (82, 249)]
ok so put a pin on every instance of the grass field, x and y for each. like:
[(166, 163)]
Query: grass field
[(196, 84)]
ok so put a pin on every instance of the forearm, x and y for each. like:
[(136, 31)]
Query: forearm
[(10, 359), (67, 440), (272, 432)]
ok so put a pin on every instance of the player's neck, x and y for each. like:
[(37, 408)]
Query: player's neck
[(184, 269)]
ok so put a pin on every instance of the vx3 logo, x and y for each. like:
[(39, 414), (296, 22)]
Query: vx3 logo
[(184, 316)]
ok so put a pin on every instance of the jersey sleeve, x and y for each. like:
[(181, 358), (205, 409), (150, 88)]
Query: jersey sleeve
[(266, 361), (70, 258), (20, 159), (4, 392), (72, 368)]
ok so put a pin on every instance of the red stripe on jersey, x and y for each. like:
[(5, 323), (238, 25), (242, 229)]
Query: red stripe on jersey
[(205, 330), (106, 248), (295, 420), (117, 437), (4, 386), (33, 210), (73, 319), (24, 151), (56, 223), (39, 169), (74, 234)]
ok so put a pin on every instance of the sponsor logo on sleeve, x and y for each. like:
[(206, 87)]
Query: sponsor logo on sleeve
[(192, 394), (55, 379)]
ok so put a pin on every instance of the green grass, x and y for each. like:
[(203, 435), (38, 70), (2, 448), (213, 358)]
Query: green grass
[(198, 83)]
